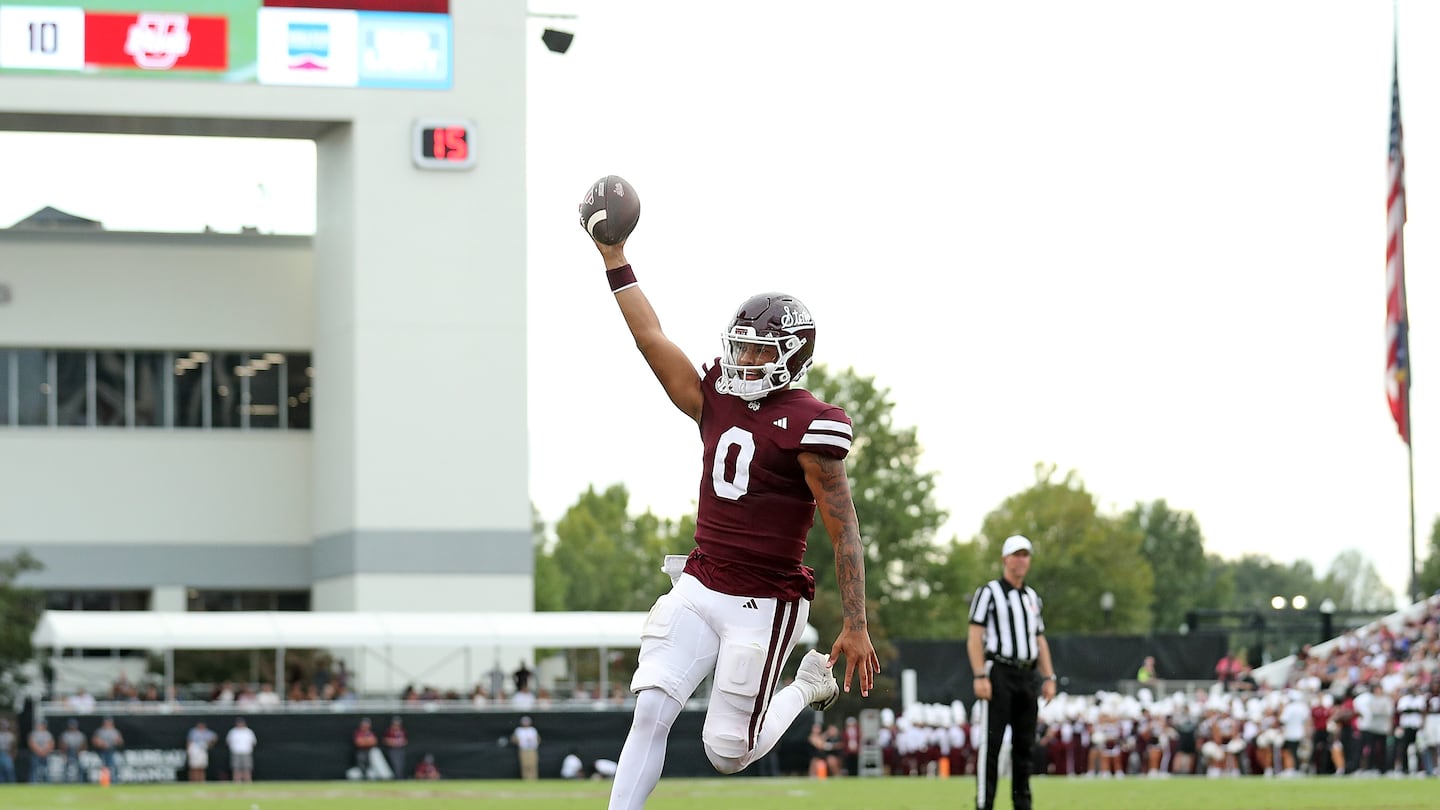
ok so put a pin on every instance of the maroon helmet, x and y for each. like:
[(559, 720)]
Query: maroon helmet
[(769, 320)]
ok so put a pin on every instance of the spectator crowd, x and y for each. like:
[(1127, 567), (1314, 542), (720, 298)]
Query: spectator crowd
[(1364, 704), (1369, 705)]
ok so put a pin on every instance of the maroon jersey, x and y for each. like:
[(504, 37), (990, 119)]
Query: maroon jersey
[(755, 506)]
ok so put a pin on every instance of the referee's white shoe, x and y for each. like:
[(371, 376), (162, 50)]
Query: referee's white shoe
[(816, 681)]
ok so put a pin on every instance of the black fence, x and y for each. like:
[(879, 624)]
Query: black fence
[(475, 744), (465, 745)]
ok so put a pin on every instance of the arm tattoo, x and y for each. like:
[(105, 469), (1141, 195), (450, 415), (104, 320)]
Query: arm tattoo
[(837, 510)]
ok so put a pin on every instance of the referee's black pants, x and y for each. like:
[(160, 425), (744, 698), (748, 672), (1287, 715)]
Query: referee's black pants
[(1402, 749), (1014, 702)]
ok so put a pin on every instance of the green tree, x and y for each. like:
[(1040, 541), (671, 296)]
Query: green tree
[(895, 503), (1079, 554), (19, 612), (1355, 584), (1257, 631), (1219, 582), (605, 559), (951, 575), (550, 580), (1429, 577), (1175, 550), (1259, 579)]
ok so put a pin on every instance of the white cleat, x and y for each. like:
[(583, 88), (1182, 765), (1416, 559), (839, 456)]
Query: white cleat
[(816, 681)]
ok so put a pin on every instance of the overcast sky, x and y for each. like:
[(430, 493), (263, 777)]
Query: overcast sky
[(1141, 241)]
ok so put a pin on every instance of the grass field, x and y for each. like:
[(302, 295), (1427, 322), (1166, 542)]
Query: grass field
[(747, 793)]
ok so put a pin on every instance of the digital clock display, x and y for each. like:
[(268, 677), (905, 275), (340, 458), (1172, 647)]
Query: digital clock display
[(444, 144)]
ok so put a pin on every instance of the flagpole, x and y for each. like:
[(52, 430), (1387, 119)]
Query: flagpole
[(1410, 459), (1414, 584)]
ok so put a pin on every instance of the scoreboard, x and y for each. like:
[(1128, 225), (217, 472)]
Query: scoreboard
[(329, 43)]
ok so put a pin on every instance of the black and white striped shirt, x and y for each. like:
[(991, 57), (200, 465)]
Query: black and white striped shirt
[(1410, 708), (1011, 618)]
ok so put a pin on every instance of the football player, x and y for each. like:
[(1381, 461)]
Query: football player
[(771, 454)]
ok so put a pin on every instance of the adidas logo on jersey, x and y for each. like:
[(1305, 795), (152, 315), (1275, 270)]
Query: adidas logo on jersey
[(783, 423), (750, 605)]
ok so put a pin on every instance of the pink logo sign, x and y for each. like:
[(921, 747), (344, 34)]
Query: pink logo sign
[(157, 41)]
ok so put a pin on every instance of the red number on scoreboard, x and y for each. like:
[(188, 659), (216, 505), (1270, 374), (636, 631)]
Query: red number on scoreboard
[(450, 143), (442, 144)]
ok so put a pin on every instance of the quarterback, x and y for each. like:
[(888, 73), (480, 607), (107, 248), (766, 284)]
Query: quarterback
[(772, 454)]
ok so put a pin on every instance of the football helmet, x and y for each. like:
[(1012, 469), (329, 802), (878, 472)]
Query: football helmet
[(766, 321)]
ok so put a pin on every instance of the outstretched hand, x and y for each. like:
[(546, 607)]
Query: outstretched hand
[(859, 657)]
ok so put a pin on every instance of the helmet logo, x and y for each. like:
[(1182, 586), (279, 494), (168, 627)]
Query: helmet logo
[(795, 317)]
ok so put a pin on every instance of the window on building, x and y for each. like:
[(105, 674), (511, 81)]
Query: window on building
[(7, 386), (112, 372), (72, 389), (210, 601), (116, 388), (97, 600), (150, 374), (192, 389), (32, 376), (226, 389), (300, 376), (264, 383)]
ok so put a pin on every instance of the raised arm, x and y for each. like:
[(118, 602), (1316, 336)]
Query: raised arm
[(669, 364), (831, 488)]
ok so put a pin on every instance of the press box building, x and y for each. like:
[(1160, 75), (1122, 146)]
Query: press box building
[(214, 421)]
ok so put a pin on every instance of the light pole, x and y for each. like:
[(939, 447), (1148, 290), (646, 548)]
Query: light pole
[(1327, 619), (1286, 627), (1107, 606)]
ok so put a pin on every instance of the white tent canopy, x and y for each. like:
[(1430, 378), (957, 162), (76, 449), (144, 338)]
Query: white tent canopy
[(157, 630), (290, 630)]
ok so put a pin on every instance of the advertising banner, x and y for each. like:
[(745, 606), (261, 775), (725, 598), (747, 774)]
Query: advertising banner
[(314, 43)]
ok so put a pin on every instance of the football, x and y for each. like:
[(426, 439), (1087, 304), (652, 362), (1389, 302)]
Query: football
[(610, 210)]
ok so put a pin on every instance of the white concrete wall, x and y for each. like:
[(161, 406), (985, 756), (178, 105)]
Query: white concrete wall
[(416, 319), (156, 291), (425, 270), (438, 592), (414, 267), (116, 486)]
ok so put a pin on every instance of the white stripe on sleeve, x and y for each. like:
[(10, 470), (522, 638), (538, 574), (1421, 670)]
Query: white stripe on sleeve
[(831, 425), (822, 438)]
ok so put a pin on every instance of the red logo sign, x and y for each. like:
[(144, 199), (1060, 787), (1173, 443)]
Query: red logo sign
[(156, 41)]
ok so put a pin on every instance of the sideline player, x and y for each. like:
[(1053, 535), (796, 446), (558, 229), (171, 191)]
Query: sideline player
[(771, 454)]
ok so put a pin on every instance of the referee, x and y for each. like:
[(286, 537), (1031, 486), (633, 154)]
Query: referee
[(1006, 646)]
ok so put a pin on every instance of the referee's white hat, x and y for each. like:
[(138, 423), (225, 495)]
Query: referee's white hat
[(1015, 543)]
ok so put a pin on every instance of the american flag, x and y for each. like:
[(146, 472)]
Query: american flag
[(1397, 318)]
